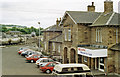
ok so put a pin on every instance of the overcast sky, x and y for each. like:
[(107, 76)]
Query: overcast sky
[(29, 12)]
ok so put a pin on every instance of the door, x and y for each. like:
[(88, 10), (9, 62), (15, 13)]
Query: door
[(101, 64), (35, 58), (79, 58)]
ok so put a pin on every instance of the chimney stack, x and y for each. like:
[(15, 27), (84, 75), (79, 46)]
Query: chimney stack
[(108, 6), (91, 8), (58, 21)]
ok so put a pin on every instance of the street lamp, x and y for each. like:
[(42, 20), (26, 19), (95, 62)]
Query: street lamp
[(39, 36)]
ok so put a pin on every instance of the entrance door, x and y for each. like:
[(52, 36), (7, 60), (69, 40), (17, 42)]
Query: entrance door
[(79, 58), (65, 55), (101, 64), (73, 56), (96, 63)]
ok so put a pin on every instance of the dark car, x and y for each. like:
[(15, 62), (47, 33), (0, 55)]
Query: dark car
[(25, 53)]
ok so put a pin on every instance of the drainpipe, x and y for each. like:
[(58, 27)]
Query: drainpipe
[(116, 35)]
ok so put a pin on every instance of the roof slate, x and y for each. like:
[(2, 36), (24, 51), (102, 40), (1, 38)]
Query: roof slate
[(83, 17), (53, 28), (57, 38), (107, 19)]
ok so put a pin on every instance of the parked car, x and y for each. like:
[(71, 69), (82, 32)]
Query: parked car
[(34, 53), (25, 53), (48, 67), (40, 61), (22, 50), (79, 70), (33, 58)]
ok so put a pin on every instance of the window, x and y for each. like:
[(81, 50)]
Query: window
[(98, 35), (53, 46), (50, 60), (69, 34), (45, 45), (85, 59), (50, 65), (65, 69), (59, 48), (45, 60), (79, 68), (65, 30), (35, 56)]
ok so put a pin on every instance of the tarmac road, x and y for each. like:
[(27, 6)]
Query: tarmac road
[(14, 64)]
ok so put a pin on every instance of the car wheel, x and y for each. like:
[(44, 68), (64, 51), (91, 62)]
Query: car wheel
[(48, 71), (38, 66), (25, 55), (31, 61)]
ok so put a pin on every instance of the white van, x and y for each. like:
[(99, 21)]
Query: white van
[(72, 70)]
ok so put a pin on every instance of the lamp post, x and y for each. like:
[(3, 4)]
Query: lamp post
[(39, 36)]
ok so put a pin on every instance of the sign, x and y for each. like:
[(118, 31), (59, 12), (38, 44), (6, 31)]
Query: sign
[(92, 53)]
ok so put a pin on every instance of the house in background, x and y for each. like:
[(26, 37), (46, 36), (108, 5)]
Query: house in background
[(49, 35), (55, 47), (13, 33)]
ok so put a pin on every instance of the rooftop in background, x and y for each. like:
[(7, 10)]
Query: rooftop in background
[(57, 38), (53, 28), (14, 31)]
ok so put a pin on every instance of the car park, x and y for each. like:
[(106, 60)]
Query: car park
[(79, 70), (33, 58), (48, 67)]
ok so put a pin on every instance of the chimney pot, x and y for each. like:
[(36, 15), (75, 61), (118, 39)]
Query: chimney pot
[(92, 3)]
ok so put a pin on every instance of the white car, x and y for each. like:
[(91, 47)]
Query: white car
[(40, 61)]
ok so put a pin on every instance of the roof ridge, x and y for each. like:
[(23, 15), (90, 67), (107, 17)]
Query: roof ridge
[(97, 18), (84, 11), (71, 18), (110, 18)]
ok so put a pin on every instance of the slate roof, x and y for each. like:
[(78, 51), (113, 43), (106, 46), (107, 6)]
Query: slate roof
[(116, 47), (83, 16), (107, 19), (53, 28), (57, 38)]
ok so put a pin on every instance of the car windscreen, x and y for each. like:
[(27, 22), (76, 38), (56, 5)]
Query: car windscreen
[(43, 64)]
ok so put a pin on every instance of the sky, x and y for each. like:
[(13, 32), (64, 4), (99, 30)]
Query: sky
[(30, 12)]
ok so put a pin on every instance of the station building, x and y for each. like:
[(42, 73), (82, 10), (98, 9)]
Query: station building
[(92, 38)]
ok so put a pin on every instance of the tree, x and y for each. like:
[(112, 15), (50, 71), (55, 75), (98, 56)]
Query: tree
[(4, 29)]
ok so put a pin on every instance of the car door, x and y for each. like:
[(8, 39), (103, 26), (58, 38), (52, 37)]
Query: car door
[(35, 58), (50, 66)]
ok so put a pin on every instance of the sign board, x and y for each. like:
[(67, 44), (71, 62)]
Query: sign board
[(92, 53)]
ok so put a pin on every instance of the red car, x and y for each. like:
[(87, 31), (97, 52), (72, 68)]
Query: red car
[(47, 67), (19, 52), (33, 58), (22, 50)]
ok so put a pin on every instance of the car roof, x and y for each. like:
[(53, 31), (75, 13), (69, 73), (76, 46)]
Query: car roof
[(59, 67)]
